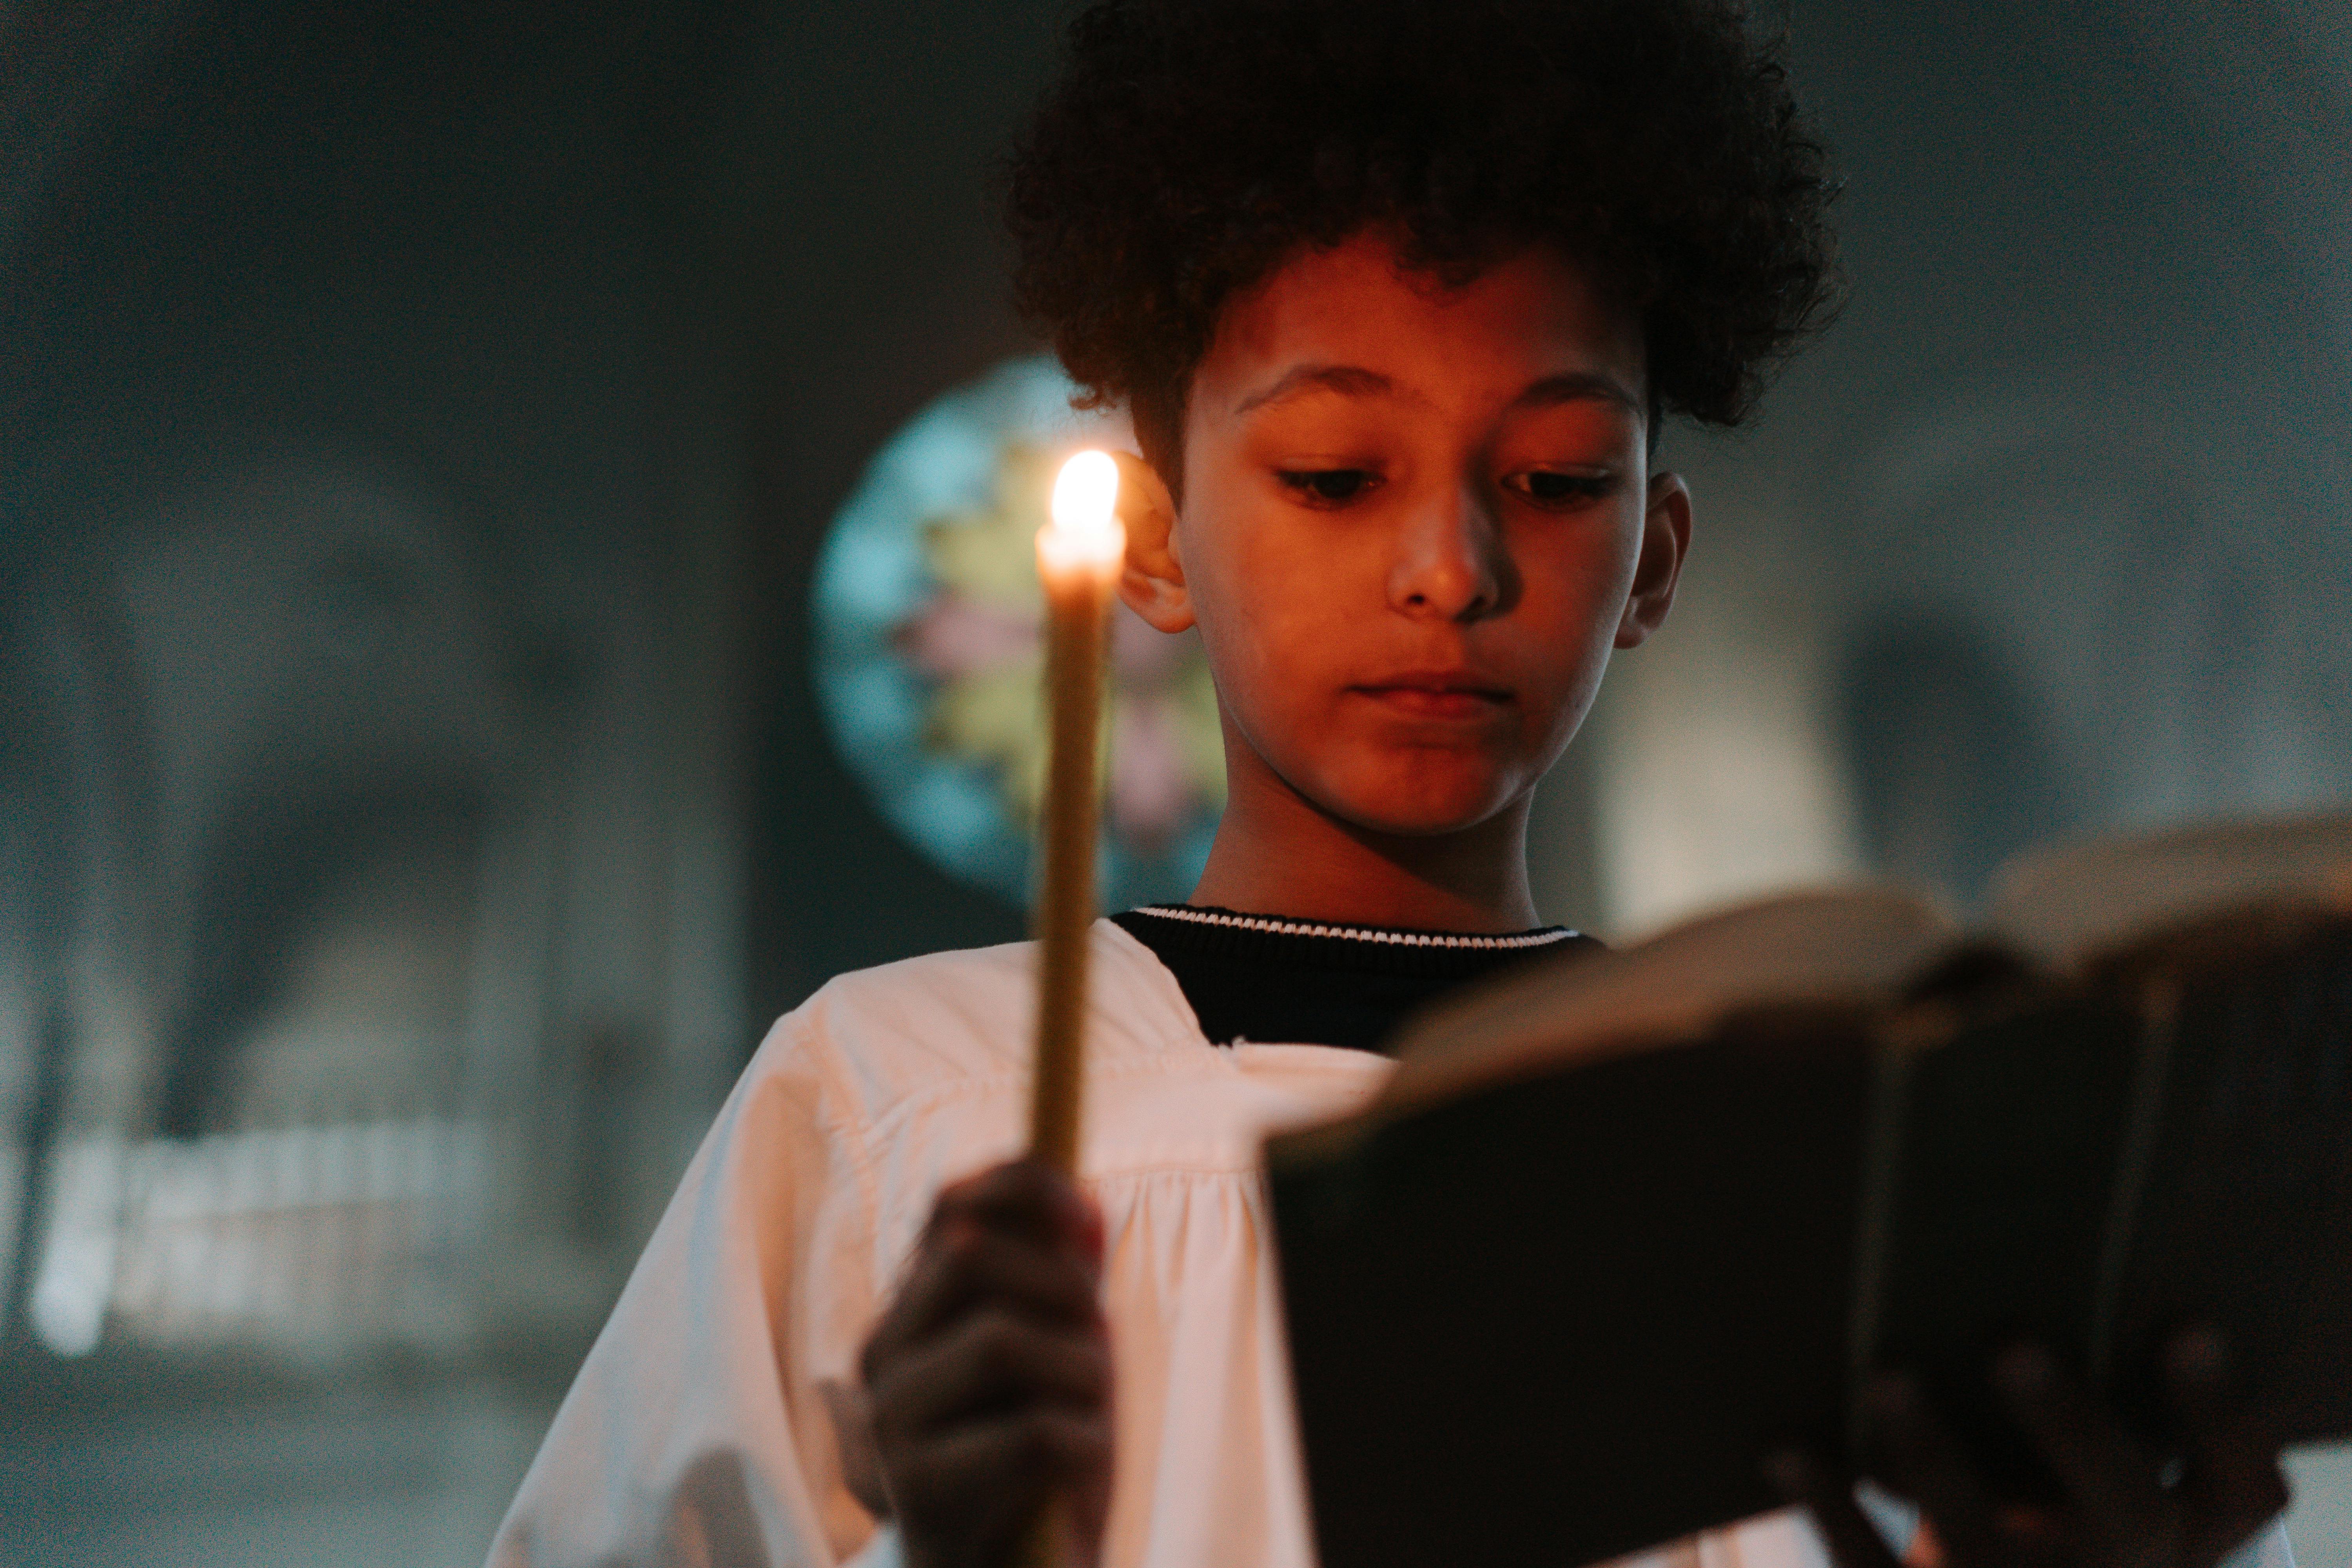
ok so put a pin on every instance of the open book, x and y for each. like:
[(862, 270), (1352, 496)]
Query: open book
[(1622, 1222)]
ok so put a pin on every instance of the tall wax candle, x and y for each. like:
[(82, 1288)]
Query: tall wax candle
[(1079, 555)]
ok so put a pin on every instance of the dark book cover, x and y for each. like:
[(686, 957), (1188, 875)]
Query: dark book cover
[(1555, 1296), (1561, 1320)]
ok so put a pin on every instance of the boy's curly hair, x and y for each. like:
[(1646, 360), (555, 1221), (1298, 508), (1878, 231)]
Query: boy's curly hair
[(1192, 146)]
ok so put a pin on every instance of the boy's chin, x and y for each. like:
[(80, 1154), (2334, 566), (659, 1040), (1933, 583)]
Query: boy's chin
[(1422, 825), (1422, 808)]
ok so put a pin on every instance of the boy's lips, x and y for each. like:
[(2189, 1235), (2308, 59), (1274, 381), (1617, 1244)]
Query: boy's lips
[(1437, 693)]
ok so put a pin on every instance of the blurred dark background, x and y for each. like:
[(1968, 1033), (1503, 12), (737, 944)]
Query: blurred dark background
[(417, 428)]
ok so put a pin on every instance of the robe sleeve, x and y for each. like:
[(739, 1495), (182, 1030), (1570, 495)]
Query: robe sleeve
[(696, 1436), (2267, 1550)]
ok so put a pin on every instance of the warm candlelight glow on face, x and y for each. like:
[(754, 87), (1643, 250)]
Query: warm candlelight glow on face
[(1085, 535)]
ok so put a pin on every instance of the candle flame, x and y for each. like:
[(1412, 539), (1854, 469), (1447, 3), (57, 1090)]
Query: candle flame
[(1085, 532)]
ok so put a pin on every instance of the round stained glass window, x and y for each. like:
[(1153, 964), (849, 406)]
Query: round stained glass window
[(930, 659)]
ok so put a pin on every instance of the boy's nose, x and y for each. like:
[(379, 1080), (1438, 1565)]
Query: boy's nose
[(1450, 563)]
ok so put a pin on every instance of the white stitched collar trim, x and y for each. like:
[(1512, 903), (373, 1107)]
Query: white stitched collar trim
[(1353, 934)]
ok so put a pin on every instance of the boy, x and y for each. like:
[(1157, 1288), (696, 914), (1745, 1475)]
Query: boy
[(1396, 295)]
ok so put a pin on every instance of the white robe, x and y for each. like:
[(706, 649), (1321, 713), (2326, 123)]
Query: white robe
[(696, 1432)]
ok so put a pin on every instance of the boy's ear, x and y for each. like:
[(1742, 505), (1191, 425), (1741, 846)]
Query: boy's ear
[(1665, 543), (1153, 583)]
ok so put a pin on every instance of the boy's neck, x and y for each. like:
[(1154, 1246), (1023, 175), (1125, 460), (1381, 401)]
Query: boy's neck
[(1277, 852)]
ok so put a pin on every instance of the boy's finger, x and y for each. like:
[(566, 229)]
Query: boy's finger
[(1025, 1197), (991, 1362), (1828, 1495), (997, 1474), (1916, 1455), (2110, 1478), (2231, 1483), (965, 1263)]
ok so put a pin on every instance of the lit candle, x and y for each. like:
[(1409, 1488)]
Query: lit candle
[(1079, 558), (1079, 554)]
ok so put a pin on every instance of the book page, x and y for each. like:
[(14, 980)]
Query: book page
[(1859, 945), (2068, 903)]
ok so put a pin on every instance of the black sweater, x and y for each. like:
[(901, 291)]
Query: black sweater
[(1272, 979)]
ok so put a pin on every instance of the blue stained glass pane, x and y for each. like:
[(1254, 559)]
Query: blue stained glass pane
[(926, 651)]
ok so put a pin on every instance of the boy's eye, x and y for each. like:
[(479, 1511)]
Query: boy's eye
[(1545, 487), (1329, 486)]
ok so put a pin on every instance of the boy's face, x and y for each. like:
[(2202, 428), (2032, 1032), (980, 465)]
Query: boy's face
[(1415, 522)]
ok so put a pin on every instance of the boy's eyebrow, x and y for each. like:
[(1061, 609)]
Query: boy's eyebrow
[(1350, 381), (1354, 380), (1576, 387)]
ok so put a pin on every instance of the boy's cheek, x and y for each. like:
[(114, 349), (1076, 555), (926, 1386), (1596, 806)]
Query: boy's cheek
[(1288, 625)]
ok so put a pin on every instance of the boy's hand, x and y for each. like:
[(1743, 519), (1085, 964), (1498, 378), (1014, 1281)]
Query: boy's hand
[(988, 1381), (2126, 1507)]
